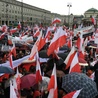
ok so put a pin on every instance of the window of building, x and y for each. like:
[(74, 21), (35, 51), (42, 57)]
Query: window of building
[(2, 15)]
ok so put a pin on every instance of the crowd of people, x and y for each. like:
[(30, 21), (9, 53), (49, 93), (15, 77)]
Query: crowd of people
[(25, 49)]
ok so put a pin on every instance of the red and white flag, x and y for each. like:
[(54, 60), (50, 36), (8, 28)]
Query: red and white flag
[(42, 42), (52, 86), (93, 20), (35, 47), (75, 67), (10, 60), (4, 28), (13, 30), (18, 80), (58, 40), (81, 55), (10, 40), (79, 42), (69, 43), (16, 83), (13, 51), (48, 33), (69, 58), (33, 52), (0, 28), (12, 91), (38, 69), (73, 94), (19, 25), (37, 33), (2, 35), (56, 20)]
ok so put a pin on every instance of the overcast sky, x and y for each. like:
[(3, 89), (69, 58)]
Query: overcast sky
[(60, 6)]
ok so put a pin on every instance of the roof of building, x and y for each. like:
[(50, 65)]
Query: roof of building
[(92, 10)]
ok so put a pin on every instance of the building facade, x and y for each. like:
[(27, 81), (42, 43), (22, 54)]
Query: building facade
[(12, 11), (91, 12)]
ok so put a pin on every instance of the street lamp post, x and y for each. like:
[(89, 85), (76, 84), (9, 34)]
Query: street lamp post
[(6, 14), (69, 5), (22, 15)]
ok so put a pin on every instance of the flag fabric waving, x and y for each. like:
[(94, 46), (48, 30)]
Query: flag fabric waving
[(37, 33), (10, 60), (2, 35), (52, 86), (16, 83), (12, 91), (19, 25), (79, 42), (13, 51), (35, 47), (42, 42), (56, 20), (58, 40), (75, 67), (69, 58), (73, 94), (38, 69), (13, 30)]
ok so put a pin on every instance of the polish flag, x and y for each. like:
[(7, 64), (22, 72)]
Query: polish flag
[(36, 27), (10, 40), (10, 60), (52, 86), (75, 67), (12, 91), (58, 40), (4, 28), (35, 47), (54, 28), (73, 94), (19, 25), (37, 33), (18, 80), (79, 42), (16, 83), (2, 35), (69, 43), (75, 26), (33, 52), (48, 34), (42, 42), (38, 69), (93, 20), (13, 51), (81, 55), (69, 58), (13, 30), (0, 28), (56, 20)]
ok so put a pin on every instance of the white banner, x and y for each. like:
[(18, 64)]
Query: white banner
[(84, 30), (96, 38)]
